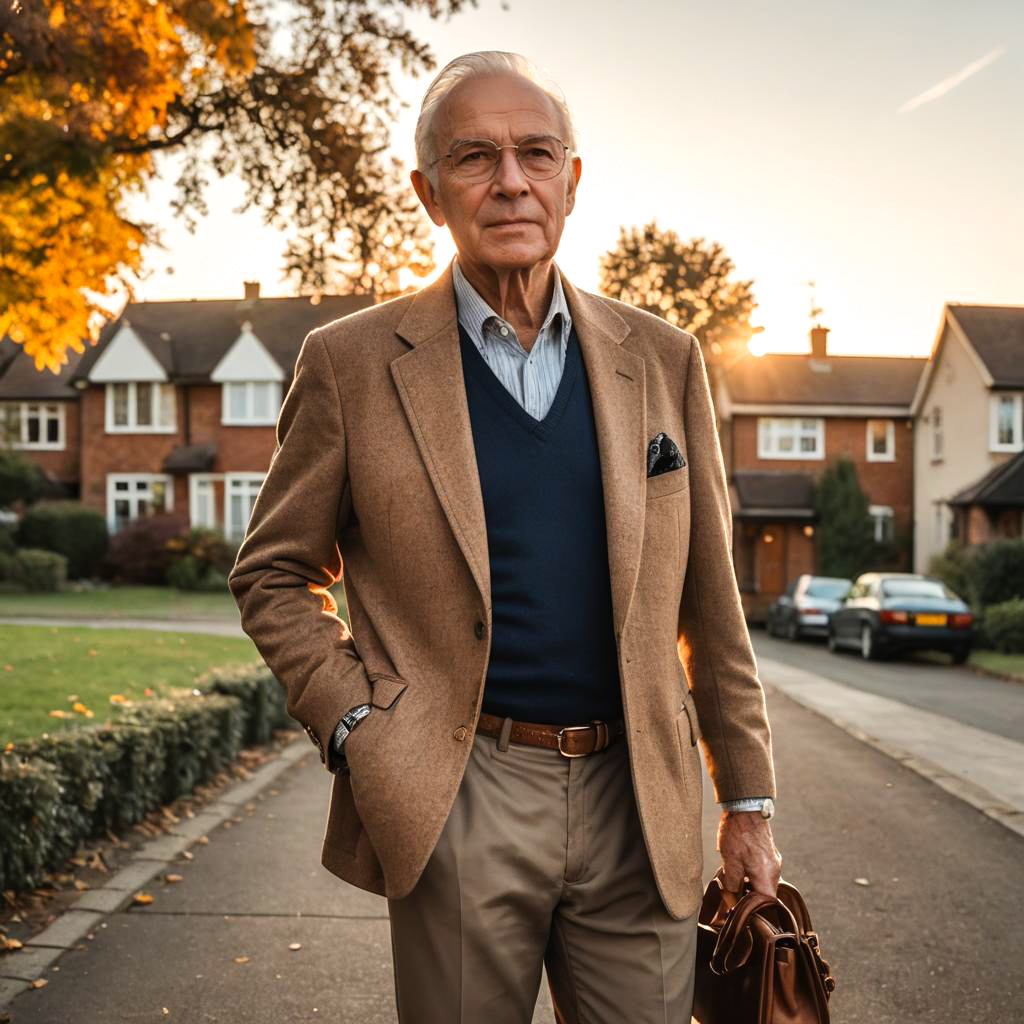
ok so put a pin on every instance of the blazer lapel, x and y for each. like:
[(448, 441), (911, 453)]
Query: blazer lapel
[(618, 396), (432, 391)]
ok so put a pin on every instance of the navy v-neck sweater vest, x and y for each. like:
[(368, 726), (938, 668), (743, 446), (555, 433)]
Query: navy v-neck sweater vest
[(553, 655)]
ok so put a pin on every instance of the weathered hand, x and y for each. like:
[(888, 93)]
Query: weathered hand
[(748, 851)]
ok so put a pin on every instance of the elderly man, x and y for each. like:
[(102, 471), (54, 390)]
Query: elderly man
[(522, 485)]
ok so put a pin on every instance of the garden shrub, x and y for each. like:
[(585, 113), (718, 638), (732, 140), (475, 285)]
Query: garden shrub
[(58, 791), (21, 480), (69, 528), (139, 552), (1003, 626), (35, 569), (203, 559), (953, 566), (996, 572)]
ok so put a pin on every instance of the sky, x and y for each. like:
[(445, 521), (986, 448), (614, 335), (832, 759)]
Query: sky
[(875, 148)]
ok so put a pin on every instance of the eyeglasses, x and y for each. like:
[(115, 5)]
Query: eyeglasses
[(540, 156)]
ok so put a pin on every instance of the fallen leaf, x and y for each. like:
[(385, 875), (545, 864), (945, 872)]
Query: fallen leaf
[(10, 944), (80, 885), (188, 855), (861, 881), (39, 983), (143, 897), (295, 945), (241, 959), (174, 878)]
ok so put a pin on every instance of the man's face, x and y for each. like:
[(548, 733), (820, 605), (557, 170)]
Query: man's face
[(510, 222)]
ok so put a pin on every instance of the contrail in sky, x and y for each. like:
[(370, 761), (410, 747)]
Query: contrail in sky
[(953, 81)]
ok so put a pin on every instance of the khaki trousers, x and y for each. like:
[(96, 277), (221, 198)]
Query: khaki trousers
[(541, 862)]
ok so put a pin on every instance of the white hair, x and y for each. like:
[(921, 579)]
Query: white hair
[(481, 64)]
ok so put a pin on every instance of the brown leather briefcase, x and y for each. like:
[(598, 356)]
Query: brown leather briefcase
[(759, 962)]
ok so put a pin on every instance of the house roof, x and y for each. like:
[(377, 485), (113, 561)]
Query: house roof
[(773, 493), (1001, 485), (997, 335), (189, 337), (19, 378), (802, 379)]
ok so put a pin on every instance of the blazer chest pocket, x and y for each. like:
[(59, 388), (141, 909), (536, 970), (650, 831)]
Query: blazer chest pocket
[(668, 483)]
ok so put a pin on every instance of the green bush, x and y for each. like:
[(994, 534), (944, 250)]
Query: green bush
[(69, 528), (7, 544), (996, 572), (40, 570), (58, 791), (21, 480), (189, 573), (954, 567), (1003, 626)]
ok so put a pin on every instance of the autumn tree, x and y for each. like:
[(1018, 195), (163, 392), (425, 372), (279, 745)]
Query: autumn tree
[(300, 108), (686, 283)]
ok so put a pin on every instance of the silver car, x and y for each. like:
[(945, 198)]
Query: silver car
[(805, 605)]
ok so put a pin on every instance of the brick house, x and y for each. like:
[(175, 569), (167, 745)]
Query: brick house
[(178, 403), (969, 415), (783, 418), (39, 415)]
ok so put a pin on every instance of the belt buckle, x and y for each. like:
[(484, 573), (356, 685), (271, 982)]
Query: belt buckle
[(602, 737)]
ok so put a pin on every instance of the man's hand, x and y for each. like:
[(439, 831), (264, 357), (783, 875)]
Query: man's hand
[(748, 850)]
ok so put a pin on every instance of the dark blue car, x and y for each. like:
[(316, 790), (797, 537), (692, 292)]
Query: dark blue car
[(885, 613)]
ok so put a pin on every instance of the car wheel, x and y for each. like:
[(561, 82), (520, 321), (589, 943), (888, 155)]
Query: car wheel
[(868, 646), (833, 643), (792, 630), (960, 654)]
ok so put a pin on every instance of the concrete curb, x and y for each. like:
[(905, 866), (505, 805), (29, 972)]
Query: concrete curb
[(799, 686), (19, 969)]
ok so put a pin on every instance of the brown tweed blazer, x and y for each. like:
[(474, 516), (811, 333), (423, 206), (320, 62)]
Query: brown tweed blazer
[(374, 479)]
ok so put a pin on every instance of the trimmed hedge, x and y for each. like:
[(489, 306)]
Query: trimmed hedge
[(69, 528), (1004, 626), (56, 792), (36, 569)]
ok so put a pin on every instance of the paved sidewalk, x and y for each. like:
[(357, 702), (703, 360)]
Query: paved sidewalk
[(914, 942), (167, 625)]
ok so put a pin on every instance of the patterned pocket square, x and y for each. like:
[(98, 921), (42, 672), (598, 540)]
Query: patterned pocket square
[(663, 454)]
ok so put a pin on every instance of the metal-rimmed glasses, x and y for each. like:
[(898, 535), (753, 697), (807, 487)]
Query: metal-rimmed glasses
[(540, 157)]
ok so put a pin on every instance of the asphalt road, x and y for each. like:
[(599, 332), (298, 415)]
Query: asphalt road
[(985, 702)]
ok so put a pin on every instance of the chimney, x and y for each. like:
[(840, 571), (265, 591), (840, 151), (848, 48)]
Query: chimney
[(252, 289), (818, 335)]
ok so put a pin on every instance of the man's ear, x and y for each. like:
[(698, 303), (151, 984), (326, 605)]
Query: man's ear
[(575, 170), (427, 196)]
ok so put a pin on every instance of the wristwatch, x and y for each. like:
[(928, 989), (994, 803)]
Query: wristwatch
[(348, 722), (765, 806)]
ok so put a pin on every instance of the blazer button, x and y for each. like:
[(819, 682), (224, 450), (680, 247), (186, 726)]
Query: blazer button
[(481, 628), (461, 733)]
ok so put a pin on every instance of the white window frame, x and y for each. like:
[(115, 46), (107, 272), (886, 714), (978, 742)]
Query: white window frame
[(249, 418), (132, 427), (889, 455), (194, 480), (230, 480), (1017, 407), (881, 516), (938, 441), (45, 411), (771, 428), (133, 495)]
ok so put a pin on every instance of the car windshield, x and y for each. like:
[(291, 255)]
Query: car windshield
[(828, 588), (914, 588)]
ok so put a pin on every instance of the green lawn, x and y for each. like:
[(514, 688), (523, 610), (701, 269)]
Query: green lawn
[(1007, 664), (47, 668), (130, 603)]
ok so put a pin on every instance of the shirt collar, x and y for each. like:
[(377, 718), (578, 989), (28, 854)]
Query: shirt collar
[(473, 310)]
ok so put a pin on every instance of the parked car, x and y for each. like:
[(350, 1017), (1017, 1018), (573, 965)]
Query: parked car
[(899, 611), (803, 607)]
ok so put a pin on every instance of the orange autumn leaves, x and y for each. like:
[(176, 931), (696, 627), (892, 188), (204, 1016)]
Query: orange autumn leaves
[(84, 89)]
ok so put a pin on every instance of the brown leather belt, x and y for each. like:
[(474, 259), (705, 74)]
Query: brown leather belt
[(568, 740)]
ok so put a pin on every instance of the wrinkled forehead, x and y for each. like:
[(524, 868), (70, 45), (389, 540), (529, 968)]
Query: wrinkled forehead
[(504, 108)]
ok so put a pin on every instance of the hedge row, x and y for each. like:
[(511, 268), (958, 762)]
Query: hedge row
[(57, 792)]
